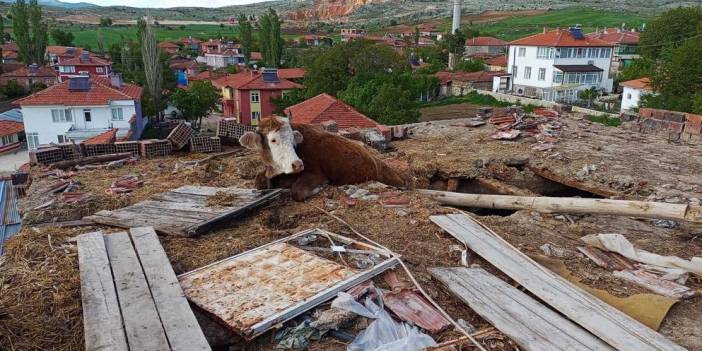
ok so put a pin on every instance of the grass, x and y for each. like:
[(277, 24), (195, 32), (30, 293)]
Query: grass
[(520, 26), (604, 119), (471, 98)]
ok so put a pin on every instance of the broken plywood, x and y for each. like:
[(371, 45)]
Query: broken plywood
[(601, 319), (251, 292), (186, 210)]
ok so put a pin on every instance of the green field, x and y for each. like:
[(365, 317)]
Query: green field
[(516, 27)]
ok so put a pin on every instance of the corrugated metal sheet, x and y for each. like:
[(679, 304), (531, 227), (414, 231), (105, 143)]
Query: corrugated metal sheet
[(14, 115), (9, 212)]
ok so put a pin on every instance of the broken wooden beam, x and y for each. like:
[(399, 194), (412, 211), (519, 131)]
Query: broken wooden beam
[(496, 186), (91, 159), (604, 321), (643, 209), (525, 320), (656, 284), (573, 183)]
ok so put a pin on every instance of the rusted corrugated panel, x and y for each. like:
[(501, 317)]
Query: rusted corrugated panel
[(11, 215), (248, 289), (413, 309)]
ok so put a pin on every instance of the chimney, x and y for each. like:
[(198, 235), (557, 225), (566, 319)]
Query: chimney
[(116, 80), (85, 57), (33, 68), (456, 23), (545, 30)]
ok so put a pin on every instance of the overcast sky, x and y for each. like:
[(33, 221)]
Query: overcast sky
[(167, 3)]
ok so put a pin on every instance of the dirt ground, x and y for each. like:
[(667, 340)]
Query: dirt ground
[(455, 111), (40, 287)]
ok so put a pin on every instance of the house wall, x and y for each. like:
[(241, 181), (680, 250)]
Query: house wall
[(483, 49), (264, 106), (37, 119), (92, 70), (630, 98)]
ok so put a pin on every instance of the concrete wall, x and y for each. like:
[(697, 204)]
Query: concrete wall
[(538, 102), (630, 98)]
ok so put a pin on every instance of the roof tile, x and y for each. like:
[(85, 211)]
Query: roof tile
[(10, 127), (559, 37), (324, 107), (100, 93)]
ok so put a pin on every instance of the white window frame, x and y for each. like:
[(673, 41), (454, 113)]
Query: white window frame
[(255, 96), (61, 115), (515, 70), (32, 140), (117, 114), (255, 115), (67, 69), (543, 52), (527, 72), (542, 74), (521, 52), (98, 69)]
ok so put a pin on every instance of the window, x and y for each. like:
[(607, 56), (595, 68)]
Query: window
[(61, 138), (544, 52), (580, 52), (542, 74), (117, 114), (558, 77), (255, 97), (60, 116), (84, 73), (514, 71), (33, 140), (605, 52), (67, 69), (98, 69), (527, 72), (628, 96), (255, 115), (522, 52), (6, 140)]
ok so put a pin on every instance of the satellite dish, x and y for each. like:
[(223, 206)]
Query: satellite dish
[(255, 66)]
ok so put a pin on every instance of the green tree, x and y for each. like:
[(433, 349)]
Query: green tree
[(61, 37), (271, 38), (456, 43), (246, 34), (639, 68), (290, 98), (669, 30), (470, 65), (197, 102), (105, 22), (589, 95), (30, 31), (416, 35), (2, 31), (39, 32), (100, 41), (13, 89)]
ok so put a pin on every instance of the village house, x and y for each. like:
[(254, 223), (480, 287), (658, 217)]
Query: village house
[(496, 64), (184, 70), (633, 90), (626, 46), (484, 45), (224, 58), (323, 108), (556, 65), (169, 47), (349, 34), (56, 54), (191, 43), (11, 135), (82, 107), (10, 53), (461, 83), (85, 64), (316, 40), (248, 95), (30, 75), (429, 31)]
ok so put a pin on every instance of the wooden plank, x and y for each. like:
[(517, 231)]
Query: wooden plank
[(656, 284), (181, 215), (526, 321), (181, 327), (212, 190), (601, 319), (607, 260), (185, 206), (102, 320), (177, 197), (167, 228), (141, 321)]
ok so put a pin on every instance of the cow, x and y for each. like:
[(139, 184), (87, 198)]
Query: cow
[(304, 157)]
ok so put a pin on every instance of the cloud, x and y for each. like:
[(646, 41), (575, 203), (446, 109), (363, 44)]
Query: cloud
[(166, 3)]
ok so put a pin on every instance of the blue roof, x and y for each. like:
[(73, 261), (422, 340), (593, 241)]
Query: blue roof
[(10, 221), (14, 115)]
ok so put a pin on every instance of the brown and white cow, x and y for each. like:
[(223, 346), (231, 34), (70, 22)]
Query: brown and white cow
[(303, 157)]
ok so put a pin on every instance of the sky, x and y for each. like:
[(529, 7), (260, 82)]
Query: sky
[(167, 3)]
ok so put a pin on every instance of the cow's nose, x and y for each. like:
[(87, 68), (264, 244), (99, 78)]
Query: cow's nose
[(297, 166)]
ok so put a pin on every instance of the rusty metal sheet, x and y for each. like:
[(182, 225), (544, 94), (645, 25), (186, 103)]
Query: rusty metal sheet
[(412, 308), (251, 292)]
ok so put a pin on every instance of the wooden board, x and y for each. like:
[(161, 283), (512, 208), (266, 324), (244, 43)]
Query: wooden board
[(141, 320), (526, 321), (601, 319), (181, 327), (102, 320), (184, 211)]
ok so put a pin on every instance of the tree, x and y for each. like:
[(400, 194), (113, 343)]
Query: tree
[(100, 41), (589, 95), (290, 98), (105, 22), (456, 43), (246, 34), (271, 38), (151, 57), (2, 31), (639, 68), (13, 89), (416, 35), (61, 37), (39, 33), (30, 31), (669, 30), (470, 65), (197, 101)]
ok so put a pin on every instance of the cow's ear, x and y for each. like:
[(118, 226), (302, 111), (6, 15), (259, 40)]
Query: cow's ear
[(297, 137), (251, 140)]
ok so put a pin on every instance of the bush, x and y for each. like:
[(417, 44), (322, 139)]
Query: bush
[(604, 119), (13, 89)]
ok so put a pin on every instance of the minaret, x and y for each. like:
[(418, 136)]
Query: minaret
[(455, 25)]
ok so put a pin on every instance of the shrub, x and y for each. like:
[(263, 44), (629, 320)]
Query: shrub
[(604, 119)]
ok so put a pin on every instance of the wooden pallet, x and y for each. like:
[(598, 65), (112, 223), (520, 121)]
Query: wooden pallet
[(184, 211), (131, 297)]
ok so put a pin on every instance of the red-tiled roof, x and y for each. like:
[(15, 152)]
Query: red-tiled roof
[(168, 45), (10, 127), (26, 72), (291, 73), (206, 75), (107, 137), (12, 46), (248, 80), (63, 50), (256, 56), (485, 41), (616, 36), (184, 64), (100, 93), (558, 37), (92, 61), (324, 107), (497, 61), (641, 83), (10, 55)]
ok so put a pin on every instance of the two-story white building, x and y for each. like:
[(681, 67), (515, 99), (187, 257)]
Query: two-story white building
[(80, 108), (556, 65)]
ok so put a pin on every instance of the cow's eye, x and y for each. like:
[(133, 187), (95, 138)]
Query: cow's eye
[(273, 141)]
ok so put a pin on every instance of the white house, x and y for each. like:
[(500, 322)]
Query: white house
[(228, 57), (556, 65), (633, 90), (80, 108)]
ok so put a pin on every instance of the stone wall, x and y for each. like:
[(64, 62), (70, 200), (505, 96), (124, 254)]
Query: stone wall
[(676, 126)]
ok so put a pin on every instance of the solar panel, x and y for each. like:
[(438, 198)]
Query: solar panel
[(270, 75), (577, 33), (79, 83)]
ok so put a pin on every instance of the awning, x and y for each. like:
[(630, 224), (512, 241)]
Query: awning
[(578, 68)]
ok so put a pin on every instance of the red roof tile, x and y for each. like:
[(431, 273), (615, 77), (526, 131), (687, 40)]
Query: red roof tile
[(12, 46), (10, 127), (10, 55), (248, 80), (256, 56), (100, 93), (641, 83), (107, 137), (92, 61), (291, 73), (168, 45), (63, 50), (188, 64), (485, 41), (25, 72), (324, 107), (558, 37), (616, 36), (498, 61)]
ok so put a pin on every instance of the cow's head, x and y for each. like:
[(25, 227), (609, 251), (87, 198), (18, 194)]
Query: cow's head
[(275, 140)]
